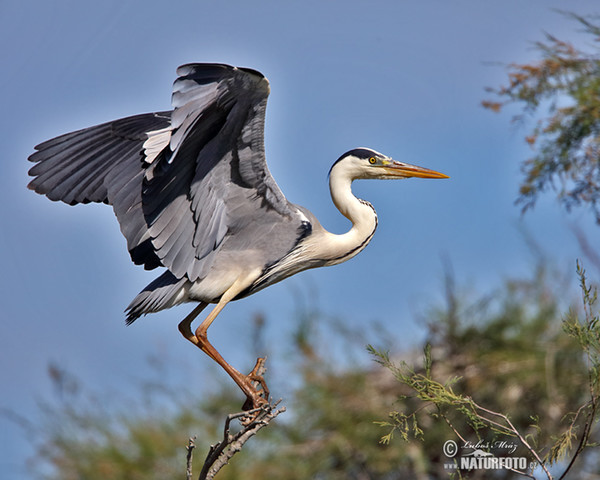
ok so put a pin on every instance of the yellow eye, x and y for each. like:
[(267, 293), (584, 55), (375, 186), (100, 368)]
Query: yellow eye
[(372, 160)]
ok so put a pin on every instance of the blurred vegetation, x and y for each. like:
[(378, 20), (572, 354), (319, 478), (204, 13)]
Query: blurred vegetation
[(562, 90), (517, 377), (506, 351)]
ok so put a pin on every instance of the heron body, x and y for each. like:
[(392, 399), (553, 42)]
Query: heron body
[(193, 194)]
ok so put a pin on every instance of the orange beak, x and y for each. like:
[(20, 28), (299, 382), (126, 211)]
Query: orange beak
[(406, 170)]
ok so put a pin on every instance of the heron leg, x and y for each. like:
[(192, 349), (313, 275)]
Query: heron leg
[(255, 397), (185, 326)]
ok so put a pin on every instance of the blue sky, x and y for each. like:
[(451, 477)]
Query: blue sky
[(405, 78)]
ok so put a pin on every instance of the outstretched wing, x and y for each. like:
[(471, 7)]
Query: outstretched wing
[(216, 147), (179, 182)]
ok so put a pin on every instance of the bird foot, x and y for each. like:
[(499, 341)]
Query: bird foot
[(260, 396), (257, 379)]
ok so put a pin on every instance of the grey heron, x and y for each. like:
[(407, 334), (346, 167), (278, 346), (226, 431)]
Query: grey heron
[(192, 193)]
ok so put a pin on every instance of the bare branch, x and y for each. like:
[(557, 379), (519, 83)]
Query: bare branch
[(251, 421), (220, 453), (190, 447)]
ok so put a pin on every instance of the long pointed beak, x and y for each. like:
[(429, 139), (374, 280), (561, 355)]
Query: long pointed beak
[(405, 170)]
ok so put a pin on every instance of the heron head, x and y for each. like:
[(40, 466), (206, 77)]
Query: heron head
[(368, 163)]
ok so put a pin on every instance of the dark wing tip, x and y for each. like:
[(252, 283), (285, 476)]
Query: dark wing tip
[(251, 71), (209, 72), (189, 69)]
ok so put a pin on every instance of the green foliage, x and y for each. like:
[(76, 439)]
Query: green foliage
[(552, 420), (586, 330), (564, 86)]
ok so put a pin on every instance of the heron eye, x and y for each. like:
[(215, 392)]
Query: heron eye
[(372, 160)]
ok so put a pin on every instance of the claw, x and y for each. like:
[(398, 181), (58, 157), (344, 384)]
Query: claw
[(255, 376), (260, 396)]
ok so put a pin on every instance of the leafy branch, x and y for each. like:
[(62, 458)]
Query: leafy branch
[(587, 332), (442, 396), (565, 84), (442, 400)]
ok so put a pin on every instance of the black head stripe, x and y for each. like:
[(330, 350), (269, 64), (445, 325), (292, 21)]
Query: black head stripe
[(358, 153)]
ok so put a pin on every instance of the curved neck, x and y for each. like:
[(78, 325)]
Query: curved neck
[(339, 248)]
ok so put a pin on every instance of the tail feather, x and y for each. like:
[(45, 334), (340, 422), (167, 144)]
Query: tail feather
[(164, 292)]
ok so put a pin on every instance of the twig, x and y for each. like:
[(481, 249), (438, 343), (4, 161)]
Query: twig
[(587, 428), (190, 447), (511, 428), (447, 420), (220, 453), (481, 417), (580, 446)]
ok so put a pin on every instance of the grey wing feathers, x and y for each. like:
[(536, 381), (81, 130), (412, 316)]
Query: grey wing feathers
[(74, 167), (180, 181), (102, 164)]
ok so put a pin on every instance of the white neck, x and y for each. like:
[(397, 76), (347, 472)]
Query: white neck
[(339, 248)]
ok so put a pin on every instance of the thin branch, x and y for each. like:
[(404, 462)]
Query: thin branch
[(587, 428), (447, 420), (516, 432), (251, 421), (190, 447), (220, 453), (580, 447), (514, 470)]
